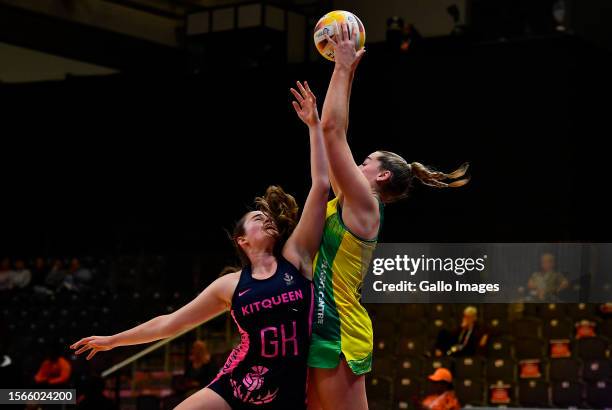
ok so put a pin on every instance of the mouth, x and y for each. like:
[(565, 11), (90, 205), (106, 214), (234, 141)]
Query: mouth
[(270, 229)]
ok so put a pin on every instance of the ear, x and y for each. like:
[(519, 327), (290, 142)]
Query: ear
[(241, 241), (383, 176)]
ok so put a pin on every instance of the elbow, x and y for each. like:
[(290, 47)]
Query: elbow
[(320, 185), (166, 327), (329, 126)]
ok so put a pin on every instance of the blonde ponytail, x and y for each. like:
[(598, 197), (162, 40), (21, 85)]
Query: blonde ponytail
[(434, 178)]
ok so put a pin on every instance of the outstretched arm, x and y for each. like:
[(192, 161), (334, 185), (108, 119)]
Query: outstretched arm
[(304, 242), (215, 299), (332, 179), (347, 177)]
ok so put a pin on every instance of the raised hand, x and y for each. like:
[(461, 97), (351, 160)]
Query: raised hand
[(306, 104), (95, 343), (345, 54)]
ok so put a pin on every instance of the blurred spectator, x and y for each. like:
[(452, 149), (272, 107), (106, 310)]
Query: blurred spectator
[(458, 28), (20, 277), (547, 283), (5, 274), (39, 272), (559, 14), (77, 278), (395, 32), (440, 392), (467, 340), (401, 37), (56, 275), (83, 276), (199, 371), (55, 370), (411, 38), (94, 398)]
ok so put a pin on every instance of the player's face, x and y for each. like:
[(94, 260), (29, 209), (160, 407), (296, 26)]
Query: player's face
[(371, 167), (258, 228)]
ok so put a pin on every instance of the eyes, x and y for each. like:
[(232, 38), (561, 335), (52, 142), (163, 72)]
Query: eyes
[(259, 218)]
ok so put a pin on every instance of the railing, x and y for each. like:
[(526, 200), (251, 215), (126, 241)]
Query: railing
[(143, 353), (165, 343)]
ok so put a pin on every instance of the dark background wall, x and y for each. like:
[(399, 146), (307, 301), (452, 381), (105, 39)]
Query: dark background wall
[(148, 162)]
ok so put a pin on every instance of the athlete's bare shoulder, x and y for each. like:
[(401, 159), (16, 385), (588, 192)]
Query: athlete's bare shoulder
[(226, 286)]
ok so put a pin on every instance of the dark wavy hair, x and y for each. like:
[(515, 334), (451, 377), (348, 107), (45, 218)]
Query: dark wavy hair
[(281, 208)]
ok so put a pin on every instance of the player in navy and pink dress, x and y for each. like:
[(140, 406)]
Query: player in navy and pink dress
[(270, 299)]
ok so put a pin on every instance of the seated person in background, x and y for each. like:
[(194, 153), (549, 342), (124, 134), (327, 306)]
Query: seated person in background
[(21, 276), (440, 393), (55, 370), (467, 340), (200, 371), (39, 271), (547, 283), (56, 275), (5, 274), (82, 276), (77, 278)]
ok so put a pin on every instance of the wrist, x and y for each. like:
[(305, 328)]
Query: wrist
[(113, 340), (343, 68)]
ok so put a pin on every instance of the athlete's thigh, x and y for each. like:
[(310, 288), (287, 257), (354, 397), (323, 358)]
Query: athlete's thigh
[(205, 399), (340, 388), (313, 397)]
